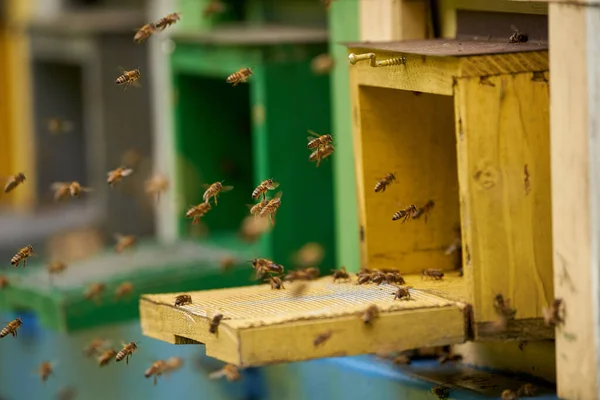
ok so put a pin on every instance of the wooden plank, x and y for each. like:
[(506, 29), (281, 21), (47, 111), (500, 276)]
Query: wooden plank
[(504, 170), (393, 19), (575, 153)]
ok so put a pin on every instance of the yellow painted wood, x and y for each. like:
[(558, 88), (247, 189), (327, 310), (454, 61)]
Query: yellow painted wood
[(503, 126), (263, 326), (385, 20)]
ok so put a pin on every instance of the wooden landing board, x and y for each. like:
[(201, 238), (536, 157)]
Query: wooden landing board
[(263, 326)]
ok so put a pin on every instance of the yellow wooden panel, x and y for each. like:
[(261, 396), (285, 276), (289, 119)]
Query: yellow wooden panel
[(6, 160), (257, 317), (504, 175), (411, 135)]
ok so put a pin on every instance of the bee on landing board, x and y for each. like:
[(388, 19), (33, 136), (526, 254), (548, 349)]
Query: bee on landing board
[(197, 211), (213, 191), (116, 175), (321, 153), (240, 76), (275, 282), (156, 369), (22, 255), (182, 300), (129, 77), (432, 273), (124, 242), (261, 190), (144, 33), (214, 323), (212, 8), (318, 141), (94, 347), (341, 274), (555, 314), (123, 290), (424, 211), (527, 390), (370, 314), (11, 328), (263, 266), (229, 371), (384, 182), (3, 281), (167, 21), (14, 181), (271, 208), (403, 292), (404, 214), (106, 356), (58, 125), (127, 351), (517, 37), (94, 291), (45, 370), (157, 185)]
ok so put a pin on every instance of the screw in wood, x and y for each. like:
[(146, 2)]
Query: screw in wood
[(354, 58)]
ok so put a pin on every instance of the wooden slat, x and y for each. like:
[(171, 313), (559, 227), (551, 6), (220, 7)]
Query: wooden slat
[(393, 19)]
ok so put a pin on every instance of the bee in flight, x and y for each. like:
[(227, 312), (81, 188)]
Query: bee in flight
[(240, 76), (167, 21), (4, 282), (126, 352), (106, 356), (316, 140), (321, 153), (229, 371), (404, 214), (157, 185), (381, 184), (94, 291), (124, 242), (22, 255), (56, 268), (144, 33), (198, 211), (11, 328), (156, 369), (64, 189), (424, 211), (213, 191), (214, 7), (58, 125), (255, 209), (117, 174), (271, 208), (129, 77), (14, 181), (263, 188), (45, 370), (94, 347), (123, 290)]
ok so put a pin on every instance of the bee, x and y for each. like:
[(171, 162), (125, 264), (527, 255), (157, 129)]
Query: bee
[(116, 175), (509, 395), (14, 181), (214, 190), (106, 356), (252, 228), (310, 254), (527, 390), (144, 33), (517, 37), (229, 371), (124, 289), (404, 214), (3, 281), (255, 209), (266, 185), (370, 314), (67, 393), (129, 77), (22, 255), (441, 391), (271, 208), (381, 184), (156, 185), (262, 266), (173, 364), (392, 278), (322, 64), (197, 211), (275, 282), (61, 190), (554, 315), (504, 311), (124, 242), (94, 347), (11, 328), (45, 370), (156, 369), (58, 125), (306, 274), (214, 323), (321, 153), (318, 141), (341, 274), (298, 289), (212, 8), (183, 299), (56, 267), (322, 338), (425, 210), (167, 21), (75, 189), (433, 273), (126, 352), (94, 291), (364, 278), (240, 76), (378, 277), (403, 292), (227, 262)]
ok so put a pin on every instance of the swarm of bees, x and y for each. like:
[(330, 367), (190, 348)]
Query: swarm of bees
[(391, 277)]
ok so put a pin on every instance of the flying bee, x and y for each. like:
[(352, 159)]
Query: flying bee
[(255, 209), (262, 265), (66, 393), (317, 141), (129, 77), (517, 37), (156, 369), (227, 262), (45, 370), (22, 255), (56, 267), (309, 254), (167, 21), (384, 182), (58, 125), (321, 153), (504, 311), (240, 76), (271, 208), (432, 273), (328, 3), (341, 274), (404, 214), (123, 290), (252, 228), (214, 323), (266, 185), (173, 364), (11, 328), (94, 347), (75, 189), (370, 314), (322, 64), (554, 315), (94, 291), (322, 338), (144, 33), (116, 175), (3, 281), (126, 352), (14, 181), (298, 289), (197, 211), (424, 211), (106, 356), (213, 191), (229, 371), (183, 299), (275, 282), (509, 395), (212, 8), (124, 242), (61, 190), (157, 185)]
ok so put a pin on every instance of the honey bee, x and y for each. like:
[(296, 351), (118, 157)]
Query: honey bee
[(106, 356), (11, 328), (94, 347), (306, 274), (144, 33), (3, 281), (126, 352), (266, 185), (227, 262), (75, 189), (214, 323), (173, 364), (183, 299), (123, 290), (275, 282), (255, 209), (322, 64), (527, 390), (212, 8), (263, 266), (381, 184), (240, 76), (517, 37), (403, 292), (404, 214), (61, 190), (318, 141), (66, 393), (425, 210), (129, 77), (554, 315), (56, 267), (432, 273), (392, 278), (213, 191), (509, 395), (362, 279), (156, 369), (321, 153), (124, 242), (229, 371), (167, 21), (310, 254), (116, 175), (58, 125), (271, 208), (197, 211), (14, 181), (370, 314), (156, 185), (441, 391), (322, 338), (94, 291), (252, 228), (45, 370), (341, 274), (22, 255), (504, 311)]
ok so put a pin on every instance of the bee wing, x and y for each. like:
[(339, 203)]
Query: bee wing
[(226, 188), (278, 195), (86, 189), (58, 185), (127, 171), (313, 134), (118, 237), (206, 185), (216, 374), (275, 185)]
